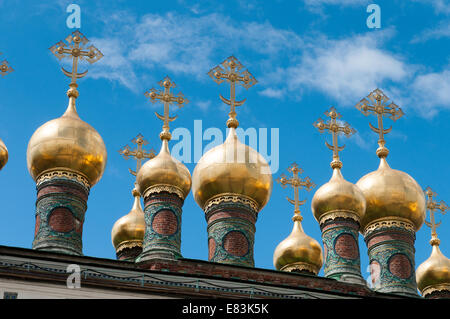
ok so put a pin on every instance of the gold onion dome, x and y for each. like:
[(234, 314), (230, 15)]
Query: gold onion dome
[(434, 273), (298, 251), (232, 168), (128, 231), (391, 194), (3, 154), (67, 143), (164, 170), (338, 195)]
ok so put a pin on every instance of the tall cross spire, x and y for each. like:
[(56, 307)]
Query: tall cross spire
[(333, 127), (296, 182), (230, 70), (376, 103), (138, 153), (433, 206), (5, 68), (167, 98), (74, 48)]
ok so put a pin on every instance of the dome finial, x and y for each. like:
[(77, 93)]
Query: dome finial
[(76, 43), (138, 153), (333, 127), (296, 182), (230, 70), (5, 68), (167, 98), (378, 106), (433, 206)]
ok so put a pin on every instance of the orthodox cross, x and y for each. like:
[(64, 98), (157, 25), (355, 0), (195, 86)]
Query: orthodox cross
[(138, 153), (296, 182), (230, 70), (376, 103), (5, 68), (75, 48), (433, 206), (167, 98), (333, 127)]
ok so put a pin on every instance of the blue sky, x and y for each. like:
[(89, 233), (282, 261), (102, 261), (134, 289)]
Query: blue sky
[(306, 55)]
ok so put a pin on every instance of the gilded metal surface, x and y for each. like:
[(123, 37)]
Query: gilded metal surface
[(5, 68), (333, 214), (429, 290), (138, 153), (62, 173), (3, 154), (299, 267), (75, 43), (128, 231), (68, 142), (388, 222), (128, 244), (333, 127), (392, 193), (376, 103), (159, 188), (434, 273), (298, 248), (232, 168), (296, 182), (338, 195), (167, 98), (164, 169), (235, 198), (230, 70)]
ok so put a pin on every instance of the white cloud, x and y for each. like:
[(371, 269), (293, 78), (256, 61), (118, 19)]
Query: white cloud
[(442, 31), (431, 92), (273, 93), (347, 69), (440, 6)]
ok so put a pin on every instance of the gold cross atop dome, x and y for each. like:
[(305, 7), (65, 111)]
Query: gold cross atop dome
[(335, 129), (167, 98), (296, 182), (230, 70), (138, 153), (376, 103), (5, 68), (433, 206), (74, 48)]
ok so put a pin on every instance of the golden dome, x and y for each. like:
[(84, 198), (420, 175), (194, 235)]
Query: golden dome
[(434, 272), (3, 154), (338, 195), (392, 193), (67, 143), (128, 231), (232, 168), (298, 251), (163, 169)]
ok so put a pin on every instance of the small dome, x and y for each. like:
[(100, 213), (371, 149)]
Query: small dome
[(128, 231), (392, 193), (338, 195), (433, 272), (298, 252), (232, 168), (163, 169), (67, 143), (3, 154)]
